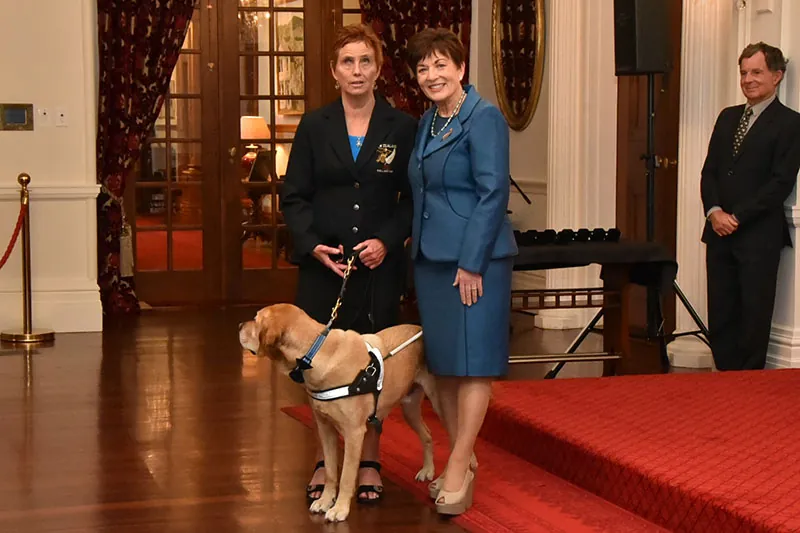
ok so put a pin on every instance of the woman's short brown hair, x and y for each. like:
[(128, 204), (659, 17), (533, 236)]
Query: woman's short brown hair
[(357, 33), (439, 40)]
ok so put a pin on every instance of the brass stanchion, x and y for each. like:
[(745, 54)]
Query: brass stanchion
[(27, 334)]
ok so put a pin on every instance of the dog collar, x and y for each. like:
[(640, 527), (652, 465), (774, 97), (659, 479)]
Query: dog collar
[(304, 363)]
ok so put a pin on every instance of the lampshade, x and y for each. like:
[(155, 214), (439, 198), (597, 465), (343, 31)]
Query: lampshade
[(254, 127)]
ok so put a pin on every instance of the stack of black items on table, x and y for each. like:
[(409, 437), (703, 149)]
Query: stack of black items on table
[(534, 237)]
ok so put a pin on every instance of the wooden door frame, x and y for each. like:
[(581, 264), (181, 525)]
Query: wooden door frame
[(237, 284), (631, 143), (187, 287), (222, 280)]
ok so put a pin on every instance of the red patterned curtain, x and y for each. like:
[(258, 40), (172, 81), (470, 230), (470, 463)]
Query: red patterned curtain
[(139, 43), (395, 21)]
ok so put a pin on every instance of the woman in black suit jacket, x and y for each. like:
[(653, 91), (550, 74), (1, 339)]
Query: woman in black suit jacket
[(347, 189)]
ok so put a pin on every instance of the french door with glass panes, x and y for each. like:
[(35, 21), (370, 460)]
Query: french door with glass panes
[(203, 199), (205, 196)]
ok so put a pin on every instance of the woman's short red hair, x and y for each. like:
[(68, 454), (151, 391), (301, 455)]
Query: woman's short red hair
[(357, 33)]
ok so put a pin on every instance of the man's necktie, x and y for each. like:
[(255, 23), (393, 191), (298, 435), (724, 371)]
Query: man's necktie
[(741, 130)]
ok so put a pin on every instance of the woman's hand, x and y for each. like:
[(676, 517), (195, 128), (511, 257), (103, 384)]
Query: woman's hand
[(469, 285), (323, 253), (371, 252)]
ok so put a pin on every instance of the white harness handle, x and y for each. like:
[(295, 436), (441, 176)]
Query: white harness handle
[(343, 392)]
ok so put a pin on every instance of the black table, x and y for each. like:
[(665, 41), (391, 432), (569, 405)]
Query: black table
[(622, 264)]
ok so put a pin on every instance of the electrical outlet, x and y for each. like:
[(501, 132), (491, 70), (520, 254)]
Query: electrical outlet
[(61, 118), (43, 116)]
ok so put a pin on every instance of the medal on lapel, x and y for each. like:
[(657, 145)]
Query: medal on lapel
[(446, 135), (386, 155)]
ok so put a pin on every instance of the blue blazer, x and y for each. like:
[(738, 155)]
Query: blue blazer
[(460, 188)]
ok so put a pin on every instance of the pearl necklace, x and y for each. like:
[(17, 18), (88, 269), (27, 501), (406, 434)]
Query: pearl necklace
[(454, 113)]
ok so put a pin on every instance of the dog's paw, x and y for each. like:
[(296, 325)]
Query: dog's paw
[(426, 473), (338, 513), (323, 503)]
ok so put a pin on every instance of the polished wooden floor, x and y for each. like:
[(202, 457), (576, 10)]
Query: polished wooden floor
[(161, 424)]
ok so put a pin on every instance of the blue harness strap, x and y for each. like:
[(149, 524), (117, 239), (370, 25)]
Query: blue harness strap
[(304, 363)]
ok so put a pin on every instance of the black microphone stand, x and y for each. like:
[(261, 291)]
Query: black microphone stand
[(524, 196)]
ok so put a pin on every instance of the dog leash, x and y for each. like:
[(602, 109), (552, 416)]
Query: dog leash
[(304, 363), (369, 380)]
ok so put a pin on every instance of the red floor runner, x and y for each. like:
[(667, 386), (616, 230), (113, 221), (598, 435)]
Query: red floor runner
[(511, 495), (691, 452)]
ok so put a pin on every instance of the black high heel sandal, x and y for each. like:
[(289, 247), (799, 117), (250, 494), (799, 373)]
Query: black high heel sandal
[(315, 488), (363, 492)]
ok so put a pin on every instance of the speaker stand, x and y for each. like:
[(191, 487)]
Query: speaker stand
[(655, 315)]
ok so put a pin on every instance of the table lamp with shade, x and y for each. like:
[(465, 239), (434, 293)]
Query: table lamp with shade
[(253, 128)]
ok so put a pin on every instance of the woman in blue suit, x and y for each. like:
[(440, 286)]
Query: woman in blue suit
[(462, 246)]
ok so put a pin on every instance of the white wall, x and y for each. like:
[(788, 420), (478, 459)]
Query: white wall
[(48, 58), (714, 34), (776, 22), (528, 147)]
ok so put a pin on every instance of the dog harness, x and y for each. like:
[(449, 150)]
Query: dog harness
[(368, 381)]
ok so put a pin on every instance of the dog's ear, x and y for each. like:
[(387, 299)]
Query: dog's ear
[(268, 333)]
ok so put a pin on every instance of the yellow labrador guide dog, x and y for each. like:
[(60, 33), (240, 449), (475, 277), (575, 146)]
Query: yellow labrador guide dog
[(353, 380)]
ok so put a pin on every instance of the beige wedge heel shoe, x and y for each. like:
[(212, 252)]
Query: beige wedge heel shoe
[(456, 503), (436, 485)]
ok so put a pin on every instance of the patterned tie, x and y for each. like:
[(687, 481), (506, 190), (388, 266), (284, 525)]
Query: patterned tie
[(741, 130)]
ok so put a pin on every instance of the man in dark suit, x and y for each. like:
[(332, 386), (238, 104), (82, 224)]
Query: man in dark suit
[(750, 169)]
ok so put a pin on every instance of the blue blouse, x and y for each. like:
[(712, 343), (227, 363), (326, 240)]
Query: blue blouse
[(354, 147)]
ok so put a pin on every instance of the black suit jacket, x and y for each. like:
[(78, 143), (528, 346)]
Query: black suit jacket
[(754, 185), (328, 198)]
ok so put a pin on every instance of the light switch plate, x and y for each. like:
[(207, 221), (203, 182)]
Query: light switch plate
[(764, 7), (61, 117), (43, 116)]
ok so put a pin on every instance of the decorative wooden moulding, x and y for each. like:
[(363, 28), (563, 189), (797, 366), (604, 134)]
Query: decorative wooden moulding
[(518, 30)]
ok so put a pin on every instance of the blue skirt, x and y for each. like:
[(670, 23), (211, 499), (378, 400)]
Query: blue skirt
[(460, 340)]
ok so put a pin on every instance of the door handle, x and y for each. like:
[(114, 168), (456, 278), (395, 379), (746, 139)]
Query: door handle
[(232, 152), (665, 162)]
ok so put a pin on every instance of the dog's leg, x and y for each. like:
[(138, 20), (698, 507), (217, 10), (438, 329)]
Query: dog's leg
[(329, 439), (412, 412), (353, 443)]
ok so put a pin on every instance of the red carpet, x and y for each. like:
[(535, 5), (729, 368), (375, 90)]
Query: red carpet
[(691, 452), (511, 495)]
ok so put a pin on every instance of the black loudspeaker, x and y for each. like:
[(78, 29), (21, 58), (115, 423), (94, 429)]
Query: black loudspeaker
[(640, 37)]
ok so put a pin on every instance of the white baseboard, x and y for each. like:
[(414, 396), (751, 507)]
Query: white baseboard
[(562, 318), (689, 352), (60, 311), (784, 347)]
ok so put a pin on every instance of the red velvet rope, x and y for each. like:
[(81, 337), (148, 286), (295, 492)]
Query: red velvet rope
[(20, 219)]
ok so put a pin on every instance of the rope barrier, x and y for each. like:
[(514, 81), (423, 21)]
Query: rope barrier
[(23, 209)]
